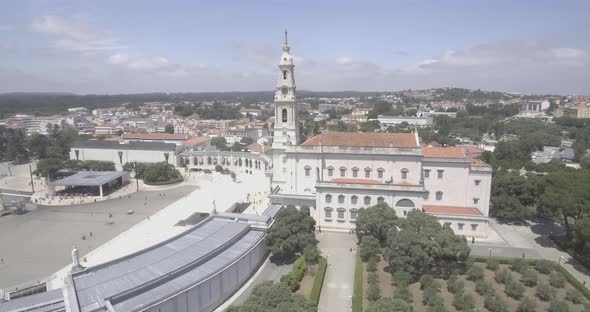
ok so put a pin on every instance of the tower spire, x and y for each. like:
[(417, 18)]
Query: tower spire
[(286, 47)]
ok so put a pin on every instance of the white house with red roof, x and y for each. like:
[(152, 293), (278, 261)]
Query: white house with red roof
[(336, 174)]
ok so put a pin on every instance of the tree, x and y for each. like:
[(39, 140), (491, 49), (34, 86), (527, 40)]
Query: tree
[(369, 248), (423, 244), (583, 230), (219, 142), (526, 304), (270, 297), (119, 132), (157, 173), (290, 234), (375, 221), (514, 290), (169, 128), (48, 167), (37, 145), (246, 140), (513, 196), (389, 305), (544, 292)]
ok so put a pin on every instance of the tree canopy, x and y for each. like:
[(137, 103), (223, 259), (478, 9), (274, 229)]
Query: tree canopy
[(375, 221), (389, 305), (270, 297), (422, 244), (290, 234)]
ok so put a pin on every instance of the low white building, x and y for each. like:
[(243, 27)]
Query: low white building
[(121, 153), (410, 120)]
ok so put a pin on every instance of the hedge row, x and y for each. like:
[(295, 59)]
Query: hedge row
[(568, 276), (319, 280), (164, 182), (293, 279), (357, 296)]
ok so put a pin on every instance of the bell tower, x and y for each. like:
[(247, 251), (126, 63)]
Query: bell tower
[(286, 128)]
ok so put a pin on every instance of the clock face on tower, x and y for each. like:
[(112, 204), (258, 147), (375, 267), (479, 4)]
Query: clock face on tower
[(284, 91)]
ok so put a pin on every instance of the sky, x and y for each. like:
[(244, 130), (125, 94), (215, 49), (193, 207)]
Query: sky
[(137, 46)]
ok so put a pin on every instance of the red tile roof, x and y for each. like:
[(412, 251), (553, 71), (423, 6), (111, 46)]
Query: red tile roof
[(259, 148), (451, 210), (359, 139), (443, 152), (196, 140), (155, 136), (354, 181)]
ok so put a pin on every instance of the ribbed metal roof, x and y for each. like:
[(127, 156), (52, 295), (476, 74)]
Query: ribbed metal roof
[(162, 270), (89, 178), (46, 301)]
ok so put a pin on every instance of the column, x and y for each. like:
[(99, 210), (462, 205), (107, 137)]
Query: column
[(100, 190)]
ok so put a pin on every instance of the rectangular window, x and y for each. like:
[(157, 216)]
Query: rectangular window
[(328, 214), (439, 195), (440, 174), (354, 200), (353, 214), (367, 200), (380, 174), (355, 173), (474, 227), (340, 214), (307, 172), (342, 172), (330, 172), (477, 182), (476, 201), (426, 173), (460, 226), (448, 224), (404, 175), (341, 199), (367, 174)]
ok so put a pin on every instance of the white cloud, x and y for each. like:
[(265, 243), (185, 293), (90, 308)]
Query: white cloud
[(343, 60)]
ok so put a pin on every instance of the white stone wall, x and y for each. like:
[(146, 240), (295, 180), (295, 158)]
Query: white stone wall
[(471, 227), (453, 184), (147, 156)]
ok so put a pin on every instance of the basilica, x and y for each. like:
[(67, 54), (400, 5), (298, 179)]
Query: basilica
[(337, 173)]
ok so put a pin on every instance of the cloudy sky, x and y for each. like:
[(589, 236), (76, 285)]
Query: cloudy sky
[(131, 46)]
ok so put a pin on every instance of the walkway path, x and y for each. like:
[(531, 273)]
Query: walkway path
[(339, 281), (535, 236)]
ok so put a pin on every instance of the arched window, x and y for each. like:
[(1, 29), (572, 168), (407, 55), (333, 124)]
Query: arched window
[(328, 212), (439, 195), (341, 199), (330, 171), (341, 212), (380, 173), (355, 172), (405, 203), (284, 115), (284, 74), (353, 214), (342, 171), (404, 174), (328, 198), (368, 173), (367, 200), (307, 171), (380, 200)]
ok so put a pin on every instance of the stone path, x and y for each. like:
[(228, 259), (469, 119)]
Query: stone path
[(339, 281)]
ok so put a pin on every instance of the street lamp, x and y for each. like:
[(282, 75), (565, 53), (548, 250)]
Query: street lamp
[(490, 250)]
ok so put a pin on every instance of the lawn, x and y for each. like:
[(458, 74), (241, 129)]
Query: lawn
[(553, 290)]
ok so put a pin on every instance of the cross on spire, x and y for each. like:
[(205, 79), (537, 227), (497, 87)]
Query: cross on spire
[(285, 36), (286, 47)]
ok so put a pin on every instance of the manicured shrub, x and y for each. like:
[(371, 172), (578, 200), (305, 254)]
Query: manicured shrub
[(296, 275), (492, 264), (519, 265), (436, 308), (401, 278), (514, 290), (494, 304), (483, 287), (468, 303), (459, 300), (372, 264), (475, 272), (587, 307), (403, 292), (529, 278), (430, 296), (318, 280), (574, 296), (556, 280), (372, 278), (427, 281), (526, 304), (503, 276), (544, 292), (544, 266), (558, 306), (373, 292), (455, 286)]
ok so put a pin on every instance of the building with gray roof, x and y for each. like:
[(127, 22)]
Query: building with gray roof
[(89, 179), (196, 270), (121, 153)]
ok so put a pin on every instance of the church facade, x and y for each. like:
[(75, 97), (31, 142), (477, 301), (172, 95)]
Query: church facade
[(337, 173)]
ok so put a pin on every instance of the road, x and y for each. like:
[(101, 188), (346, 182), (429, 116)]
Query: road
[(339, 281)]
